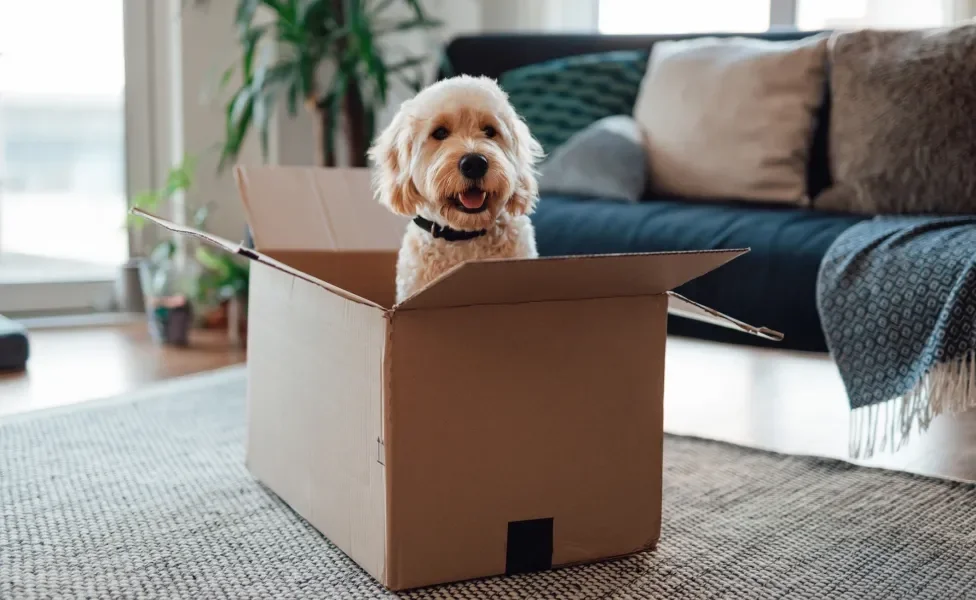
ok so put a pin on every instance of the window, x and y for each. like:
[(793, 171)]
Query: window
[(748, 16), (846, 14), (686, 16), (63, 100)]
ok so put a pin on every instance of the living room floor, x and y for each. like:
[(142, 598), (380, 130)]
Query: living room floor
[(779, 401), (74, 364)]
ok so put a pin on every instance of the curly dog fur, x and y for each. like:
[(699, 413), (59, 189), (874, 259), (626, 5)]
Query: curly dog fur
[(423, 167)]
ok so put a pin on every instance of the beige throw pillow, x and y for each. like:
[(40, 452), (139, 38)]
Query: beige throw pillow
[(732, 117)]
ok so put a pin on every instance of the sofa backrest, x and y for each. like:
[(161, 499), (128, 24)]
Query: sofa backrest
[(493, 54)]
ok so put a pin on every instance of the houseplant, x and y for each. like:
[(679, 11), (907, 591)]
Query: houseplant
[(330, 56), (193, 283)]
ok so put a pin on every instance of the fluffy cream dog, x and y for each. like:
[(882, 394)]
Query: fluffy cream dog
[(461, 162)]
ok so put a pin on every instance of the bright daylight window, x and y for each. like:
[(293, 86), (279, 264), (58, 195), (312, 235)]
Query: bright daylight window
[(62, 141), (747, 16), (686, 16), (846, 14)]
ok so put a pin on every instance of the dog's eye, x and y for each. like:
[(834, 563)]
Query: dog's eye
[(489, 131), (440, 133)]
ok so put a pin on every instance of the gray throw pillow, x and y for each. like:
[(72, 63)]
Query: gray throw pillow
[(604, 160)]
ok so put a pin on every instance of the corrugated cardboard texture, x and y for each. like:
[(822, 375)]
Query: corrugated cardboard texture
[(305, 208), (501, 281), (315, 409), (506, 413), (369, 275)]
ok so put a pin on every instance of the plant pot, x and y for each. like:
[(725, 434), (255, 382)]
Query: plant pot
[(170, 319)]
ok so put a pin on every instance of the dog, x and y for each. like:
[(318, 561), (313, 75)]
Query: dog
[(460, 162)]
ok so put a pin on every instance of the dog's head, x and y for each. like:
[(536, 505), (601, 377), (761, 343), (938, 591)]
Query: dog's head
[(458, 154)]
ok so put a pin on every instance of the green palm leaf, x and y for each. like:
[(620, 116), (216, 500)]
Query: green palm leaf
[(309, 38)]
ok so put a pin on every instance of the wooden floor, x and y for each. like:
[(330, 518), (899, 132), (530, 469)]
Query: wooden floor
[(785, 402), (71, 365)]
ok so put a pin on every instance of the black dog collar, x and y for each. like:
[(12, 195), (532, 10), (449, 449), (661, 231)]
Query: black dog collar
[(446, 233)]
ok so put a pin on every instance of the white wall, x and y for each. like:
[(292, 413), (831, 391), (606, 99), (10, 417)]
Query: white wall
[(208, 45)]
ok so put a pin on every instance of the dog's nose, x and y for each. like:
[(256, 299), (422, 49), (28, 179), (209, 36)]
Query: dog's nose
[(473, 166)]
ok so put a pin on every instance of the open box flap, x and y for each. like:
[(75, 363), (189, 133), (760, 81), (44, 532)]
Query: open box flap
[(307, 208), (248, 253), (566, 278), (683, 307)]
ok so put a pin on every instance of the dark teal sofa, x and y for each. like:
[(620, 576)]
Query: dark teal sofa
[(773, 285)]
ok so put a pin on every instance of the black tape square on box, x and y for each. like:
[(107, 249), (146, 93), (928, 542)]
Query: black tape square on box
[(529, 546)]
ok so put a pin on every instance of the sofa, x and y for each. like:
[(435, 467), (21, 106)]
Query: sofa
[(774, 285)]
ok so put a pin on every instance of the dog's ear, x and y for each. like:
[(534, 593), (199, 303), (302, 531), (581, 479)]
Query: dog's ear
[(392, 184), (528, 153)]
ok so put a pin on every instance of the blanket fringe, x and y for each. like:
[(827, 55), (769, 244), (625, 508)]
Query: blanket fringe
[(948, 388)]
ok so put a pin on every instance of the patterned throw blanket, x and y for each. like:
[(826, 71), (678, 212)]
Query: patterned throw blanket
[(897, 297)]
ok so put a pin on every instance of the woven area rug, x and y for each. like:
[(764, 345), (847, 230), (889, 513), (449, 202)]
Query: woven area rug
[(147, 497)]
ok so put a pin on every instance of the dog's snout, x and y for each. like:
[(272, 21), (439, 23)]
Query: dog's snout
[(473, 166)]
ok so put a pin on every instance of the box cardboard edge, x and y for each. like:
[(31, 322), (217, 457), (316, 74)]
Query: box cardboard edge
[(390, 571), (714, 317), (411, 302)]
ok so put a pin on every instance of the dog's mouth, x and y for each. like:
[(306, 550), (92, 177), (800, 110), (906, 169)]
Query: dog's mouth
[(471, 201)]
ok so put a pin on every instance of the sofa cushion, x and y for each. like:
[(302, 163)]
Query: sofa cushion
[(903, 132), (732, 117), (605, 160), (561, 97), (13, 345), (494, 54), (773, 285)]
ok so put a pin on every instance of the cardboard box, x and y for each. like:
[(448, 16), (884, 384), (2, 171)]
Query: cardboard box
[(507, 418)]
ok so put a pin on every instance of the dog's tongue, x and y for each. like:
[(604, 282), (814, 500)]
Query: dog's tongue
[(472, 198)]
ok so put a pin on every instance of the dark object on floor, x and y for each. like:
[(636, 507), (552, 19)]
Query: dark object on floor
[(14, 349), (773, 286)]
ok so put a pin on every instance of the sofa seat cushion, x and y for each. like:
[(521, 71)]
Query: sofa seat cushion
[(773, 285)]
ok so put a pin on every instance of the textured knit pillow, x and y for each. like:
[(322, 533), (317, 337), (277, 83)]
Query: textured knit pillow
[(903, 122), (560, 97), (605, 160), (733, 117)]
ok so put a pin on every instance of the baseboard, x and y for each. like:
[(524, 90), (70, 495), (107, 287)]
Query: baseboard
[(104, 319)]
